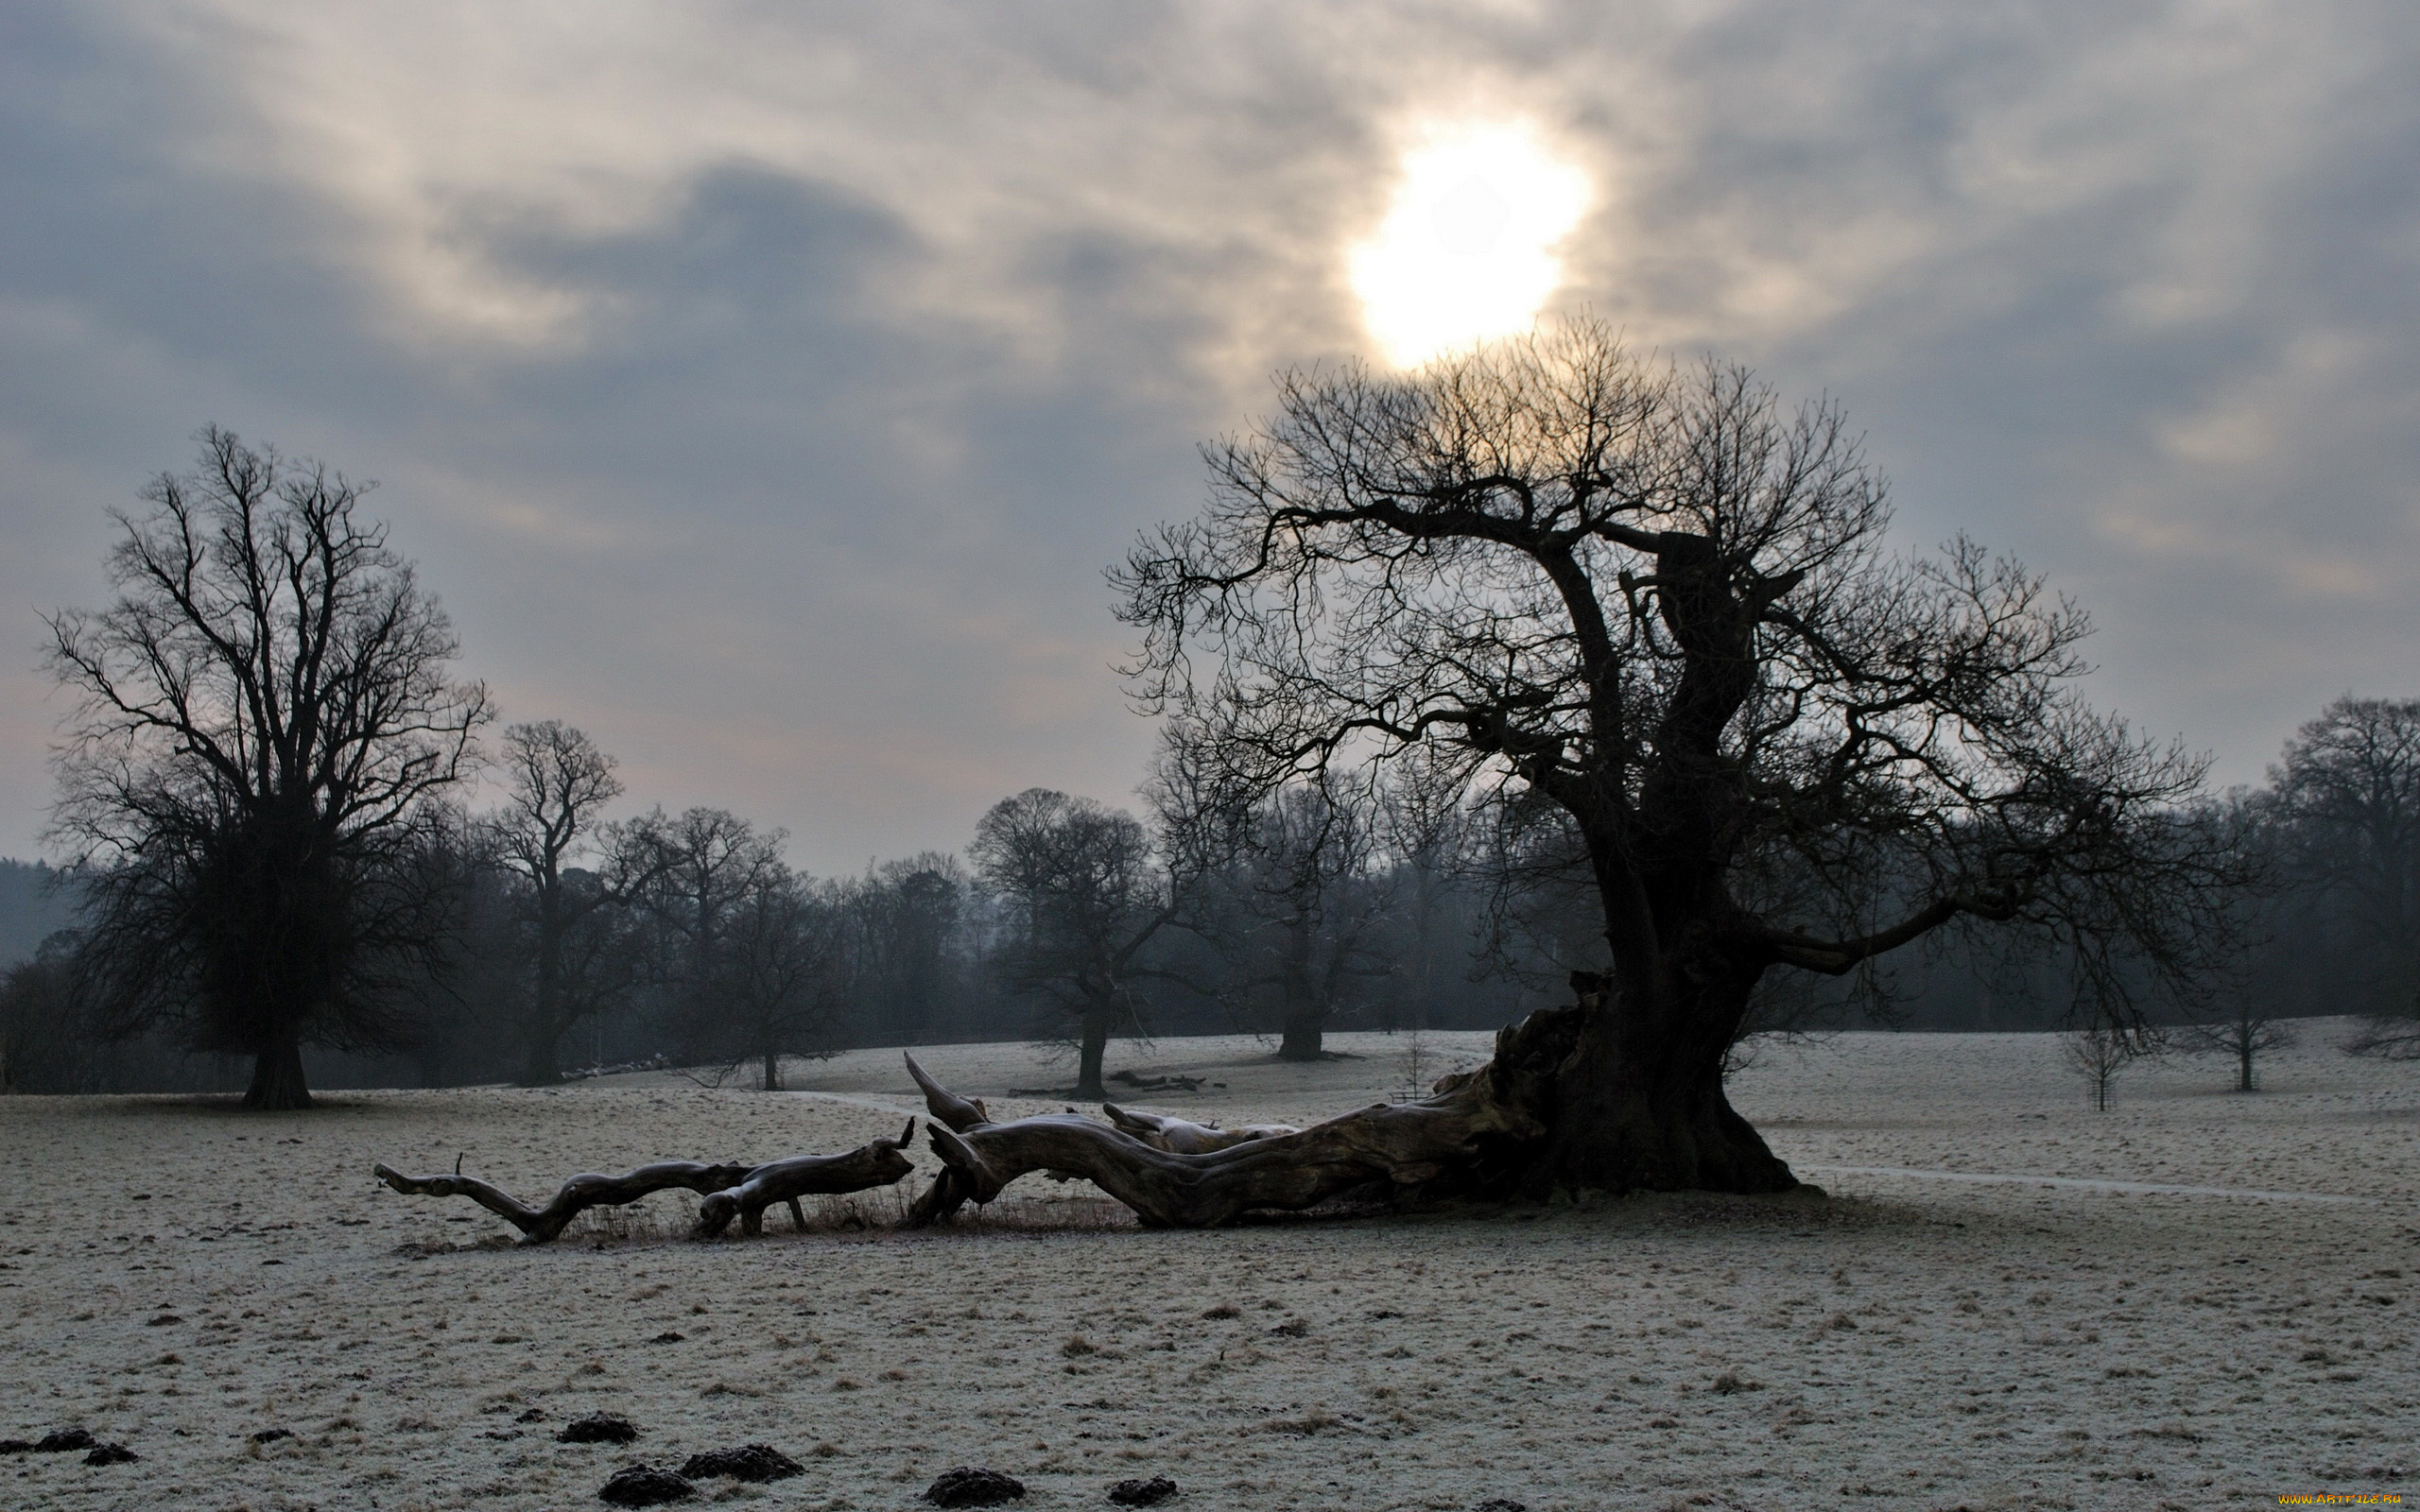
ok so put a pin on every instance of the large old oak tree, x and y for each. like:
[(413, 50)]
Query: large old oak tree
[(1653, 617), (263, 722)]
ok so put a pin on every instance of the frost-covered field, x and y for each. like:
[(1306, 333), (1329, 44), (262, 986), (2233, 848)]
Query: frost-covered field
[(179, 1279)]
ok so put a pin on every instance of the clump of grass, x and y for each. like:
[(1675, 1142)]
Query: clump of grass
[(631, 1224)]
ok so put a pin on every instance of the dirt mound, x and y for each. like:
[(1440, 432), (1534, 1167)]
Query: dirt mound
[(973, 1485), (750, 1462), (596, 1428), (645, 1485)]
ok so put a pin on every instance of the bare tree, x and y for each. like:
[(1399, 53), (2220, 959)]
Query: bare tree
[(1307, 887), (556, 782), (2348, 791), (2389, 1036), (1087, 899), (263, 723), (778, 974), (1661, 609), (905, 918), (2099, 1052), (2243, 1033), (701, 865)]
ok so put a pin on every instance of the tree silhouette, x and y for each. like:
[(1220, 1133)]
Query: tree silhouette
[(1657, 612), (1310, 906), (778, 974), (2348, 789), (263, 726), (556, 783), (703, 867), (1086, 898)]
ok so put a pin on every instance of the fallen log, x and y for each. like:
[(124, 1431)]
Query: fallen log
[(1467, 1136), (1182, 1136), (1157, 1084), (731, 1190), (878, 1165)]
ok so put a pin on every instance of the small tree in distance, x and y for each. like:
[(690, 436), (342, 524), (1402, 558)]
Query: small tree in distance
[(2100, 1052), (1310, 906), (263, 729), (2389, 1036), (902, 919), (2349, 787), (778, 974), (555, 781), (2244, 1036), (703, 867), (1084, 899)]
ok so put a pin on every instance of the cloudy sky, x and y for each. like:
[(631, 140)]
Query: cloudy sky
[(764, 387)]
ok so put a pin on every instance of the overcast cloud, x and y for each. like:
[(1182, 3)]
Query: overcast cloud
[(764, 386)]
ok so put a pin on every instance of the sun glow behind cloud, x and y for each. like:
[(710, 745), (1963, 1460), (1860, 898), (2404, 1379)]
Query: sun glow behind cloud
[(1471, 247)]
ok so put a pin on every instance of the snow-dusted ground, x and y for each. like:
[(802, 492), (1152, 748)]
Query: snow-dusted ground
[(180, 1278)]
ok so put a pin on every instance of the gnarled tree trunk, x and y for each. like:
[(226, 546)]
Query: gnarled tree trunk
[(1558, 1108), (1477, 1130), (1302, 1036), (1639, 1105), (278, 1084), (1302, 1012), (1093, 1047)]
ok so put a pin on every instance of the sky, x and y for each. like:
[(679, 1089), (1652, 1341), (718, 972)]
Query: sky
[(764, 388)]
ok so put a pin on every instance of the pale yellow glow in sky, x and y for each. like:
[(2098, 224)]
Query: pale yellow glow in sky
[(1471, 247)]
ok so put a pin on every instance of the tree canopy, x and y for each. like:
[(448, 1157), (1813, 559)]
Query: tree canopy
[(1655, 620), (264, 723)]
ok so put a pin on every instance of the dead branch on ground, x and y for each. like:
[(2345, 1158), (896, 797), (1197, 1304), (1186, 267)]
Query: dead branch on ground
[(731, 1190), (1459, 1138)]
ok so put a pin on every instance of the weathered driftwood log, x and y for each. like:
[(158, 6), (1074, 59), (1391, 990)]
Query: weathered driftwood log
[(731, 1190), (1182, 1137), (575, 1196), (1156, 1084), (1468, 1136), (878, 1165)]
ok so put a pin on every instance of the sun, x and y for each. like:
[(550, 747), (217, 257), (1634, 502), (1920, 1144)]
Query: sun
[(1471, 245)]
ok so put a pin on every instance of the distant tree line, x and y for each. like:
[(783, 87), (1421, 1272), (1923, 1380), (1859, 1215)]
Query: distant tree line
[(265, 782), (574, 941), (2331, 925), (265, 789)]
